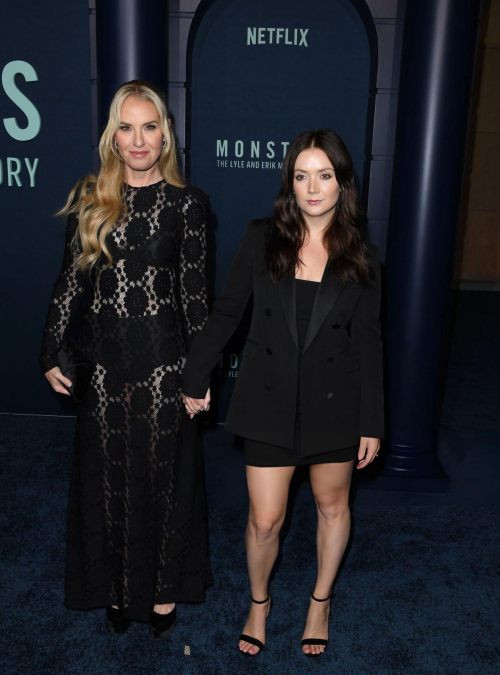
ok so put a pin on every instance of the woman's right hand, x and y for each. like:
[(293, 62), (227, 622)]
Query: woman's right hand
[(57, 380), (196, 405)]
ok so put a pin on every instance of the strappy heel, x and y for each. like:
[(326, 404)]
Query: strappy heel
[(317, 641), (249, 638)]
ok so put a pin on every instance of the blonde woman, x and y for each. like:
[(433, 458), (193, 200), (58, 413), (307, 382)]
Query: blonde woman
[(135, 240)]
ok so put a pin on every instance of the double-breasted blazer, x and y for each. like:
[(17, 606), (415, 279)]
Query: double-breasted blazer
[(341, 371)]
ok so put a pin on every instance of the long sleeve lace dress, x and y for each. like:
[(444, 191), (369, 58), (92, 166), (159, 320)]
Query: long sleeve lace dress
[(136, 520)]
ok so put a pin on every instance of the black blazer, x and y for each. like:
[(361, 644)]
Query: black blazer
[(341, 392)]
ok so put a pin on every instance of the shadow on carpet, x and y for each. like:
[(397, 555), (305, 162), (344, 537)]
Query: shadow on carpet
[(417, 594)]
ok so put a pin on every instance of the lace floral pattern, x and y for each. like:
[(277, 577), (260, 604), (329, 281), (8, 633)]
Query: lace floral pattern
[(136, 531)]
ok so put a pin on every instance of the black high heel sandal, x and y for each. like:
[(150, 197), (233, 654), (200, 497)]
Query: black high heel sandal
[(317, 641), (116, 622), (249, 638), (161, 626)]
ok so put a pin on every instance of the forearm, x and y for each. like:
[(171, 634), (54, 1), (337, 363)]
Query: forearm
[(67, 294), (371, 424), (367, 338), (220, 326), (207, 347)]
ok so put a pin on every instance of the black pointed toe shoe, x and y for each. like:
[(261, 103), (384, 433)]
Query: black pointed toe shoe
[(116, 621), (161, 626)]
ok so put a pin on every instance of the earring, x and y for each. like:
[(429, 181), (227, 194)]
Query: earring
[(164, 143), (116, 145)]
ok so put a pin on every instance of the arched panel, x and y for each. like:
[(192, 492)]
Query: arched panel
[(259, 73)]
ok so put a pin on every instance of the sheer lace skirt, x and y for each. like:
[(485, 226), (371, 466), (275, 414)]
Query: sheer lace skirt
[(136, 528)]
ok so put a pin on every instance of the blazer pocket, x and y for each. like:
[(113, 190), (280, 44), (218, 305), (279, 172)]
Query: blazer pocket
[(351, 363), (250, 349)]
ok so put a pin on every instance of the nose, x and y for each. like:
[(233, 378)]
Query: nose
[(312, 187), (138, 139)]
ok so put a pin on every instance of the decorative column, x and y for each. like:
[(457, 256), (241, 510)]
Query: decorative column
[(440, 41), (132, 42)]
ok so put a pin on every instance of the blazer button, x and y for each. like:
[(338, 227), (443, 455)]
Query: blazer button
[(330, 359), (267, 387), (335, 325), (269, 351), (268, 312), (329, 395)]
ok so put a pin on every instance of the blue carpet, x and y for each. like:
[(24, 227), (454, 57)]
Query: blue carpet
[(417, 594)]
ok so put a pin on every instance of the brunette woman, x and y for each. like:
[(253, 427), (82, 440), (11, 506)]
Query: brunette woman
[(309, 390), (135, 240)]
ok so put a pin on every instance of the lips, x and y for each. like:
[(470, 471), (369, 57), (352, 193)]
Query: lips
[(138, 155), (312, 202)]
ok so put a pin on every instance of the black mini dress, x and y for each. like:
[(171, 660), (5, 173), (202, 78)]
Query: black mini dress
[(266, 455)]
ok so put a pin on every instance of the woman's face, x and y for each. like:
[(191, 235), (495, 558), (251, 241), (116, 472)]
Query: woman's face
[(139, 136), (314, 183)]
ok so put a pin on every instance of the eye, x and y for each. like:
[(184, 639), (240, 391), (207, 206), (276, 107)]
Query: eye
[(299, 176), (151, 127), (124, 127), (326, 176)]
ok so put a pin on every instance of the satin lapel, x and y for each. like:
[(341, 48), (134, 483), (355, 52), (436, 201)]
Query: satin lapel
[(328, 292), (286, 292)]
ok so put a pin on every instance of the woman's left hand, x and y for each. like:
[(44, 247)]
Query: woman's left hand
[(195, 405), (368, 450)]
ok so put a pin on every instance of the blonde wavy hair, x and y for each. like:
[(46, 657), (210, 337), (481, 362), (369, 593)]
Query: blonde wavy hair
[(99, 200)]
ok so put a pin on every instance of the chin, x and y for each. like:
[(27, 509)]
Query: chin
[(311, 211), (141, 165)]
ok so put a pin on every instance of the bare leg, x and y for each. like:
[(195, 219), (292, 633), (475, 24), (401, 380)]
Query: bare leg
[(330, 484), (268, 492)]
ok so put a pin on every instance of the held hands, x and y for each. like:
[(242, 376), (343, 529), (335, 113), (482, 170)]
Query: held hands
[(368, 450), (55, 377), (196, 405)]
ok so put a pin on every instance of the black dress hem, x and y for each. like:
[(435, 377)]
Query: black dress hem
[(265, 455)]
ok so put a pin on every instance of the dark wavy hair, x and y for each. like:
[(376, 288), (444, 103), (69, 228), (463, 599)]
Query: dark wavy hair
[(344, 237)]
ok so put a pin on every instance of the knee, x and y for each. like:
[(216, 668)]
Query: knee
[(265, 526), (332, 507)]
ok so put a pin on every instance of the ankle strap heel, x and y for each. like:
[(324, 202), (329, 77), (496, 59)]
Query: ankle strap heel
[(317, 641), (249, 638), (328, 597), (259, 602)]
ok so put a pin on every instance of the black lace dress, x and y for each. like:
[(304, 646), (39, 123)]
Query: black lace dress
[(136, 526)]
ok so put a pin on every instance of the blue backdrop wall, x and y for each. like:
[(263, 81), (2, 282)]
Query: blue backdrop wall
[(240, 54), (259, 74), (45, 146)]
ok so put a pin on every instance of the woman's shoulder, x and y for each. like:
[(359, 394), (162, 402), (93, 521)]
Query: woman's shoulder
[(261, 226), (263, 223), (192, 195), (257, 231)]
